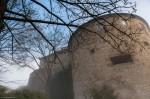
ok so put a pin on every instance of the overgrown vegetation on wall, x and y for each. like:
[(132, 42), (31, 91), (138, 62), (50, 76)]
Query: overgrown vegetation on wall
[(61, 85), (105, 92), (6, 93)]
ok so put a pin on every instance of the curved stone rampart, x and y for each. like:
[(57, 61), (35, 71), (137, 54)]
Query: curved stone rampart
[(110, 52), (116, 55)]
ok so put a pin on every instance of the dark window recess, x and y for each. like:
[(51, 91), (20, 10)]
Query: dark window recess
[(146, 43), (122, 59), (92, 51)]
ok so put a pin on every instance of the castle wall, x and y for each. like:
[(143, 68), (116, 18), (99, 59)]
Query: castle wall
[(111, 52), (37, 80), (92, 60), (52, 74)]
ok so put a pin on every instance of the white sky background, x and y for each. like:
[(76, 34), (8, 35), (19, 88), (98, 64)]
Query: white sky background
[(20, 76), (143, 9), (16, 77)]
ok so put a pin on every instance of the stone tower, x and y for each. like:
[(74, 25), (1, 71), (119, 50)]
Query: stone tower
[(111, 52), (108, 58)]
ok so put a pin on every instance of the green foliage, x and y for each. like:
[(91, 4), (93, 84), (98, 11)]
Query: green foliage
[(105, 93), (20, 94), (3, 91), (26, 94)]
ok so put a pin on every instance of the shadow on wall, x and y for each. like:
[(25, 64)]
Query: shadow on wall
[(105, 92), (61, 85)]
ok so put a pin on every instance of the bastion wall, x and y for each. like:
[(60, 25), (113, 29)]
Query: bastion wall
[(112, 51), (111, 58)]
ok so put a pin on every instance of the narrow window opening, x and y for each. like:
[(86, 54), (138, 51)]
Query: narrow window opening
[(146, 43), (92, 51), (121, 59)]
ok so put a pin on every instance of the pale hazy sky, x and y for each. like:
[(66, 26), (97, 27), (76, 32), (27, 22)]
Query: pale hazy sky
[(143, 9), (21, 75)]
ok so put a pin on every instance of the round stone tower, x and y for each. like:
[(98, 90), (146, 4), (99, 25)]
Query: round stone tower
[(111, 54)]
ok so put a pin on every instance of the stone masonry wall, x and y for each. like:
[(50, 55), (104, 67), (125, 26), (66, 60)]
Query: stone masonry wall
[(92, 65)]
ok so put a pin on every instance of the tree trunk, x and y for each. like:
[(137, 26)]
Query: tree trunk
[(3, 6)]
